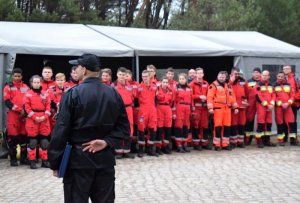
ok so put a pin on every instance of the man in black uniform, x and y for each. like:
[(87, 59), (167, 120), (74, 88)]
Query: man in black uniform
[(92, 118)]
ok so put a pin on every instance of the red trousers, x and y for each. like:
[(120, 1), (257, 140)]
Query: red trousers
[(147, 118), (284, 115), (200, 118), (164, 116), (263, 114), (129, 111), (222, 120), (33, 128), (250, 112), (183, 113), (15, 124), (238, 122)]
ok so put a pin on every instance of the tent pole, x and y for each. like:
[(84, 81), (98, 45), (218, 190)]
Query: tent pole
[(137, 68)]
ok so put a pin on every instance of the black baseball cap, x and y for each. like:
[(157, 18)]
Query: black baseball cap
[(89, 61)]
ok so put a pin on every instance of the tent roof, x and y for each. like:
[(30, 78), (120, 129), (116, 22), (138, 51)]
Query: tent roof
[(150, 42), (57, 39), (76, 39), (245, 43)]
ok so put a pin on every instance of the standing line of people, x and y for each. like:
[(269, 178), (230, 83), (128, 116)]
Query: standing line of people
[(162, 112)]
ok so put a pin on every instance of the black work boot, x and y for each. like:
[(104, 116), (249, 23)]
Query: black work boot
[(227, 148), (218, 148), (14, 162), (159, 151), (294, 142), (119, 156), (260, 143), (268, 142), (151, 151), (13, 156), (198, 147), (185, 148), (166, 150), (45, 164), (33, 164), (180, 149), (128, 156), (141, 151)]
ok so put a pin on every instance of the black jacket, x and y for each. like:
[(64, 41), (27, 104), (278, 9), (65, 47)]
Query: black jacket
[(88, 111)]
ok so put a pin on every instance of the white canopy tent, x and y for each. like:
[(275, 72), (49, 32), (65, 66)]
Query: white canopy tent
[(253, 49), (52, 39)]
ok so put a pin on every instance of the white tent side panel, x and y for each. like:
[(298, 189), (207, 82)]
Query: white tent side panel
[(247, 63)]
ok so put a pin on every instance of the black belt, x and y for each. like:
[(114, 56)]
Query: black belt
[(185, 103), (164, 104), (127, 105), (36, 110)]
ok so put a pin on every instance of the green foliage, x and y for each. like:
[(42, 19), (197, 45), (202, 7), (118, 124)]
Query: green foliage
[(6, 8)]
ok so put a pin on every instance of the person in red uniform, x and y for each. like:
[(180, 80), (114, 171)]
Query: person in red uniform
[(200, 117), (295, 87), (238, 121), (220, 101), (47, 81), (106, 76), (73, 78), (152, 71), (134, 84), (251, 109), (13, 95), (147, 117), (126, 91), (37, 107), (264, 105), (284, 98), (183, 105), (55, 94), (165, 100), (191, 75), (170, 77)]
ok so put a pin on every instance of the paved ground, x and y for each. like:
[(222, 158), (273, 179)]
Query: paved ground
[(242, 175)]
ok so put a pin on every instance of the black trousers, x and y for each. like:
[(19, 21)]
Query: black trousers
[(96, 184)]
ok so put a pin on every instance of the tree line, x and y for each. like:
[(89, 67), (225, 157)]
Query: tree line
[(276, 18)]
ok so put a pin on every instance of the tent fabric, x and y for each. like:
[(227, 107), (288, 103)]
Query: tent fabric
[(246, 43), (150, 42), (58, 39)]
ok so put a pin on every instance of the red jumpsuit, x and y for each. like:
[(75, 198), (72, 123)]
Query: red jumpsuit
[(295, 87), (251, 109), (37, 104), (264, 98), (221, 98), (46, 85), (200, 116), (13, 97), (165, 100), (173, 84), (284, 94), (55, 94), (147, 117), (127, 93), (71, 83), (238, 121), (183, 105), (134, 85)]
